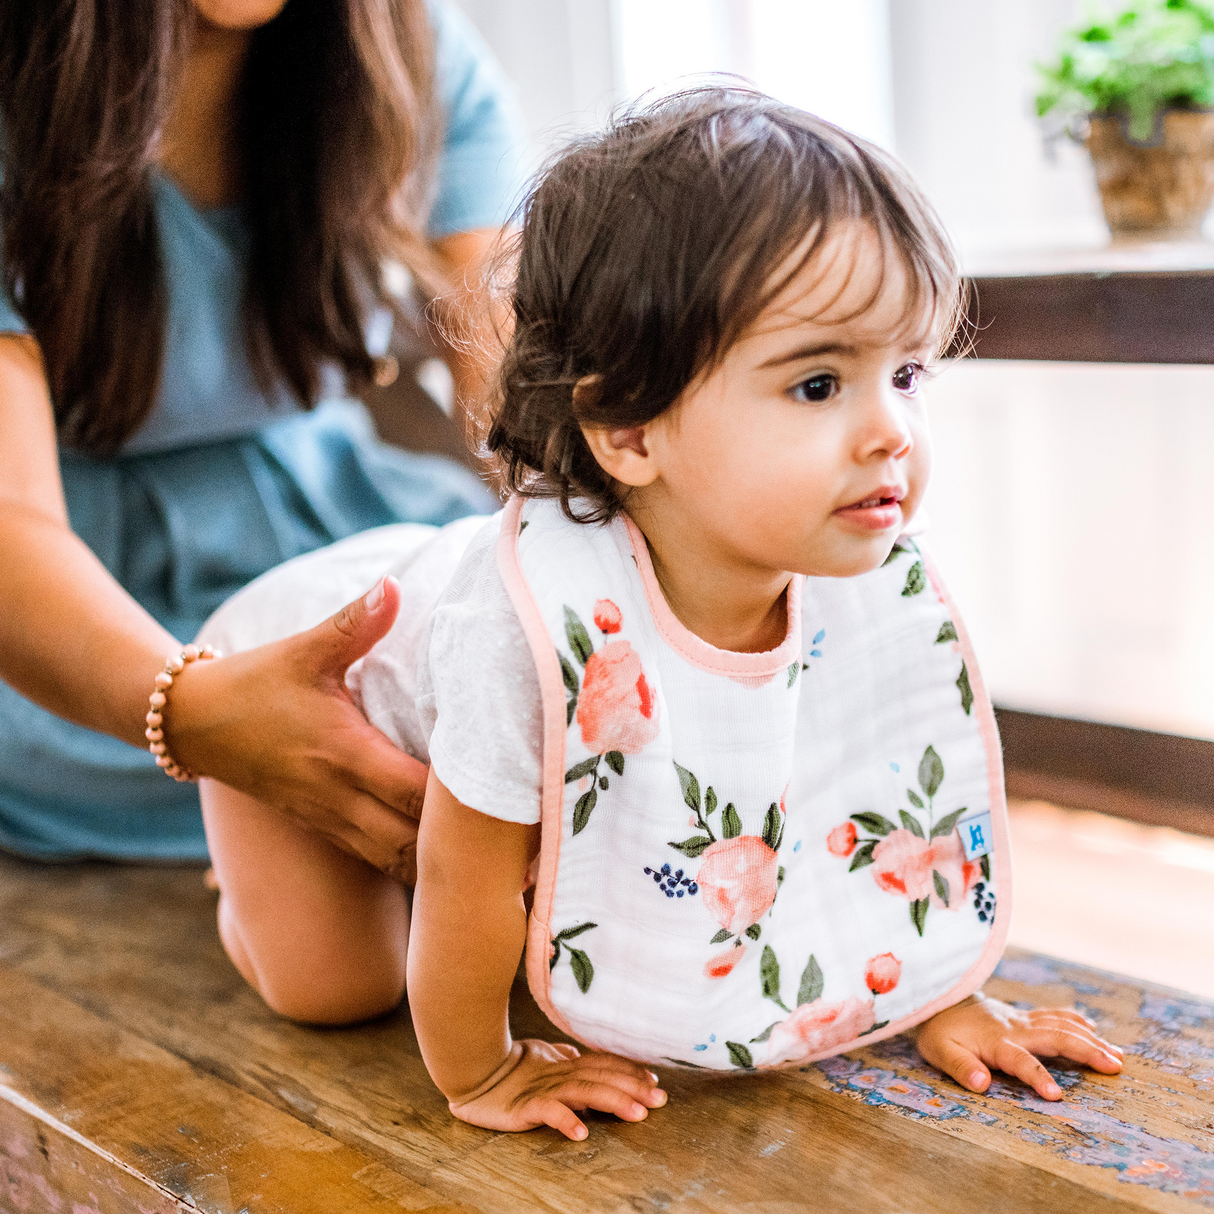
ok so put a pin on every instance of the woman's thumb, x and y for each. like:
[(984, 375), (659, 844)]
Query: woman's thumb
[(345, 637)]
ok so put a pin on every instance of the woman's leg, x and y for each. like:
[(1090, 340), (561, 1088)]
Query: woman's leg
[(320, 934)]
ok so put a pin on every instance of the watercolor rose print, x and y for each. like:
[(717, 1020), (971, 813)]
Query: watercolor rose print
[(928, 868), (739, 874), (612, 702)]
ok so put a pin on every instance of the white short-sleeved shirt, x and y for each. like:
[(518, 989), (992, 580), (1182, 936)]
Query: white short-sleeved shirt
[(453, 683)]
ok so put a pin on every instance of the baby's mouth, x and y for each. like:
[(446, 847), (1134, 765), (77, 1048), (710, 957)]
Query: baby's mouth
[(878, 511)]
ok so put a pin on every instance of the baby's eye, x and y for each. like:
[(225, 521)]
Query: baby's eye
[(816, 388), (906, 379)]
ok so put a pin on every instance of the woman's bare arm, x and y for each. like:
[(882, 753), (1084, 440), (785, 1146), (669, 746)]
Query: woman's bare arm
[(276, 722)]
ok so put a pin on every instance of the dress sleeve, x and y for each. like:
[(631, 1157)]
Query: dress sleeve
[(478, 694), (482, 166)]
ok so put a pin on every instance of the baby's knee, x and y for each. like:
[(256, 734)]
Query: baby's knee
[(309, 999)]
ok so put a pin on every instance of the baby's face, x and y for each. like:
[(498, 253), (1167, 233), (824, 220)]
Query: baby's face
[(806, 448)]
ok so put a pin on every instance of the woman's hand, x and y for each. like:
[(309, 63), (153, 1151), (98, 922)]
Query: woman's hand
[(980, 1032), (278, 722), (546, 1084)]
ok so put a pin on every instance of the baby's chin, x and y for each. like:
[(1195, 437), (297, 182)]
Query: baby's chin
[(849, 564)]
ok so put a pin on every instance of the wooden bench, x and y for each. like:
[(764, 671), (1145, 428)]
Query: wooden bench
[(138, 1073)]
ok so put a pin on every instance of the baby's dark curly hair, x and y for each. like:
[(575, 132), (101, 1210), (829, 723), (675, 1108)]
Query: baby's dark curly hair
[(648, 249)]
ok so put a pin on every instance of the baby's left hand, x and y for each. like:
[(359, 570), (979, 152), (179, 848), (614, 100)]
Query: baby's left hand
[(981, 1032)]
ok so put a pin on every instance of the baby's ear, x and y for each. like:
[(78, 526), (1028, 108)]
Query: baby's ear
[(621, 453)]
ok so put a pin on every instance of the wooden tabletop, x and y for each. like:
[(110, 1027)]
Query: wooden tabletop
[(138, 1073)]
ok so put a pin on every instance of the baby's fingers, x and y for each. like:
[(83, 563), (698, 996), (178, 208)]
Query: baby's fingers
[(1079, 1046), (956, 1061), (1015, 1060), (607, 1097), (559, 1116)]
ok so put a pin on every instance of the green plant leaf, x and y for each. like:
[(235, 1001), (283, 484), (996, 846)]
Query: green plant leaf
[(779, 877), (615, 760), (731, 824), (570, 709), (879, 1025), (948, 632), (568, 674), (918, 913), (692, 847), (691, 788), (911, 823), (793, 671), (914, 798), (570, 932), (710, 801), (556, 956), (583, 809), (763, 1036), (754, 931), (771, 826), (947, 824), (583, 971), (941, 883), (873, 822), (862, 856), (695, 1066), (721, 936), (740, 1056), (986, 868), (584, 768), (577, 636), (769, 975), (811, 982), (916, 580), (967, 692), (894, 553), (931, 772)]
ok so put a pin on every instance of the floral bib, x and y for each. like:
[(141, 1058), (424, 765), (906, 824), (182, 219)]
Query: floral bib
[(750, 860)]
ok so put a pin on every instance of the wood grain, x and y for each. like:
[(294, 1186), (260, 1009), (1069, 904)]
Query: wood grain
[(121, 1019)]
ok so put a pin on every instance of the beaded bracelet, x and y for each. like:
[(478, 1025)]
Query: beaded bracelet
[(173, 665)]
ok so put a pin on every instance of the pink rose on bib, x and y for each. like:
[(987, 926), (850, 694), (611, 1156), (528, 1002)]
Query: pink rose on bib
[(903, 865), (616, 709), (737, 881), (818, 1026)]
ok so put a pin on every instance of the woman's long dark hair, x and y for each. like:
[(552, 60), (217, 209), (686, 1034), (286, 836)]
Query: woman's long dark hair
[(336, 117)]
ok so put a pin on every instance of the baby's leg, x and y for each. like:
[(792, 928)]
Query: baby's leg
[(319, 933)]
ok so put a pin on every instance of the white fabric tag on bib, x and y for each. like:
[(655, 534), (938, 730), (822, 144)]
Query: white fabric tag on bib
[(976, 835)]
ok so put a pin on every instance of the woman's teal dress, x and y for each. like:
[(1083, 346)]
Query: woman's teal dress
[(221, 482)]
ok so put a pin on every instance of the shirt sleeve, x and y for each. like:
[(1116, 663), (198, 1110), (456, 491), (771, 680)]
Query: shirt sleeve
[(482, 167), (478, 694)]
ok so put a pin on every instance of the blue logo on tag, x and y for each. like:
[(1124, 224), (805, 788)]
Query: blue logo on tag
[(976, 835)]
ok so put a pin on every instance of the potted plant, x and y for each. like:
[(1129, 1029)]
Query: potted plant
[(1138, 89)]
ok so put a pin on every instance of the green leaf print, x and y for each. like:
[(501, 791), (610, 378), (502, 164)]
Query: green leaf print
[(740, 1056), (918, 913), (947, 824), (914, 798), (583, 809), (731, 823), (986, 868), (577, 636), (862, 856), (570, 932), (583, 971), (894, 553), (941, 884), (763, 1036), (911, 823), (615, 760), (584, 768), (793, 671), (692, 847), (811, 983), (721, 936), (771, 826), (916, 580), (931, 773), (754, 931), (568, 674), (879, 1025), (769, 976), (948, 632), (874, 822), (967, 694), (691, 788), (710, 801)]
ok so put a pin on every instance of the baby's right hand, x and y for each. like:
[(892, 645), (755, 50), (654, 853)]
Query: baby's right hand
[(549, 1081)]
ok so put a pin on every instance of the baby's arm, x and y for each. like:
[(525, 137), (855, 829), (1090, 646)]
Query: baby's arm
[(981, 1032), (468, 932)]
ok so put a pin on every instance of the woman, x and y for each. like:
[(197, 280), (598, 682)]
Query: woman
[(199, 199)]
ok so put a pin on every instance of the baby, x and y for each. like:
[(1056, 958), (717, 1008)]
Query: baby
[(697, 684)]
